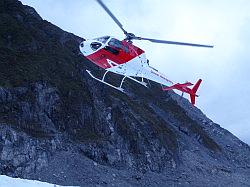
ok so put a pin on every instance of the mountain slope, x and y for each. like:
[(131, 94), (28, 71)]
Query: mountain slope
[(59, 125)]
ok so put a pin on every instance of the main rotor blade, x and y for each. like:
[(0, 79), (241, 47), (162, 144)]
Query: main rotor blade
[(173, 42), (111, 15)]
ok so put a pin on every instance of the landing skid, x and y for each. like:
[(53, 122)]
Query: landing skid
[(139, 82), (115, 87)]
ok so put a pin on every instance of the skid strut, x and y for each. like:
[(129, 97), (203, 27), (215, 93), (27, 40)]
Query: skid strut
[(115, 87), (103, 81)]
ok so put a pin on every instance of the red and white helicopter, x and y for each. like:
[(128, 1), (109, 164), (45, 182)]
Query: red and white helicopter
[(124, 58)]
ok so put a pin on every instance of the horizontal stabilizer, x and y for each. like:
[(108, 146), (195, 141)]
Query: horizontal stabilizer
[(184, 88)]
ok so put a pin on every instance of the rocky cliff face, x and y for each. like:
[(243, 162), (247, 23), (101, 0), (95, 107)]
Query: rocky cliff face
[(59, 125)]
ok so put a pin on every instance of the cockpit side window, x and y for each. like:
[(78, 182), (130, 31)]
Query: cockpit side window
[(118, 45), (115, 43), (125, 48), (95, 45)]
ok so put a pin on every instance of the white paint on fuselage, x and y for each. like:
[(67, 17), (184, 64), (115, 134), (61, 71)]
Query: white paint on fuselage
[(86, 50), (138, 67)]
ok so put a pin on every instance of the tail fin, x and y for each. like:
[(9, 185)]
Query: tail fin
[(194, 90), (196, 86)]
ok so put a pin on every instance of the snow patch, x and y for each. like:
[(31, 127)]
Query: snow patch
[(6, 181)]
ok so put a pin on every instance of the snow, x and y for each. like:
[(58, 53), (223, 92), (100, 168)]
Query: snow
[(16, 182)]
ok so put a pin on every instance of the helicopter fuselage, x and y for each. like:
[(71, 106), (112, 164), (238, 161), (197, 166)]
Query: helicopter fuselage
[(121, 57)]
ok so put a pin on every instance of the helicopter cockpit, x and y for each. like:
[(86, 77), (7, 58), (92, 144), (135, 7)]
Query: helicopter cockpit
[(109, 43), (88, 47)]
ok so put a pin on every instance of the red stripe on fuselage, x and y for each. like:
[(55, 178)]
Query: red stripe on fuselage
[(124, 55)]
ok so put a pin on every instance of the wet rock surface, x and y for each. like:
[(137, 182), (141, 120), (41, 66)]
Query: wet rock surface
[(59, 125)]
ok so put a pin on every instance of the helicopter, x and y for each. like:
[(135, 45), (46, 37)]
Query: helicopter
[(128, 60)]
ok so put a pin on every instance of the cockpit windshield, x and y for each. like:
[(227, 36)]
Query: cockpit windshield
[(103, 39)]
